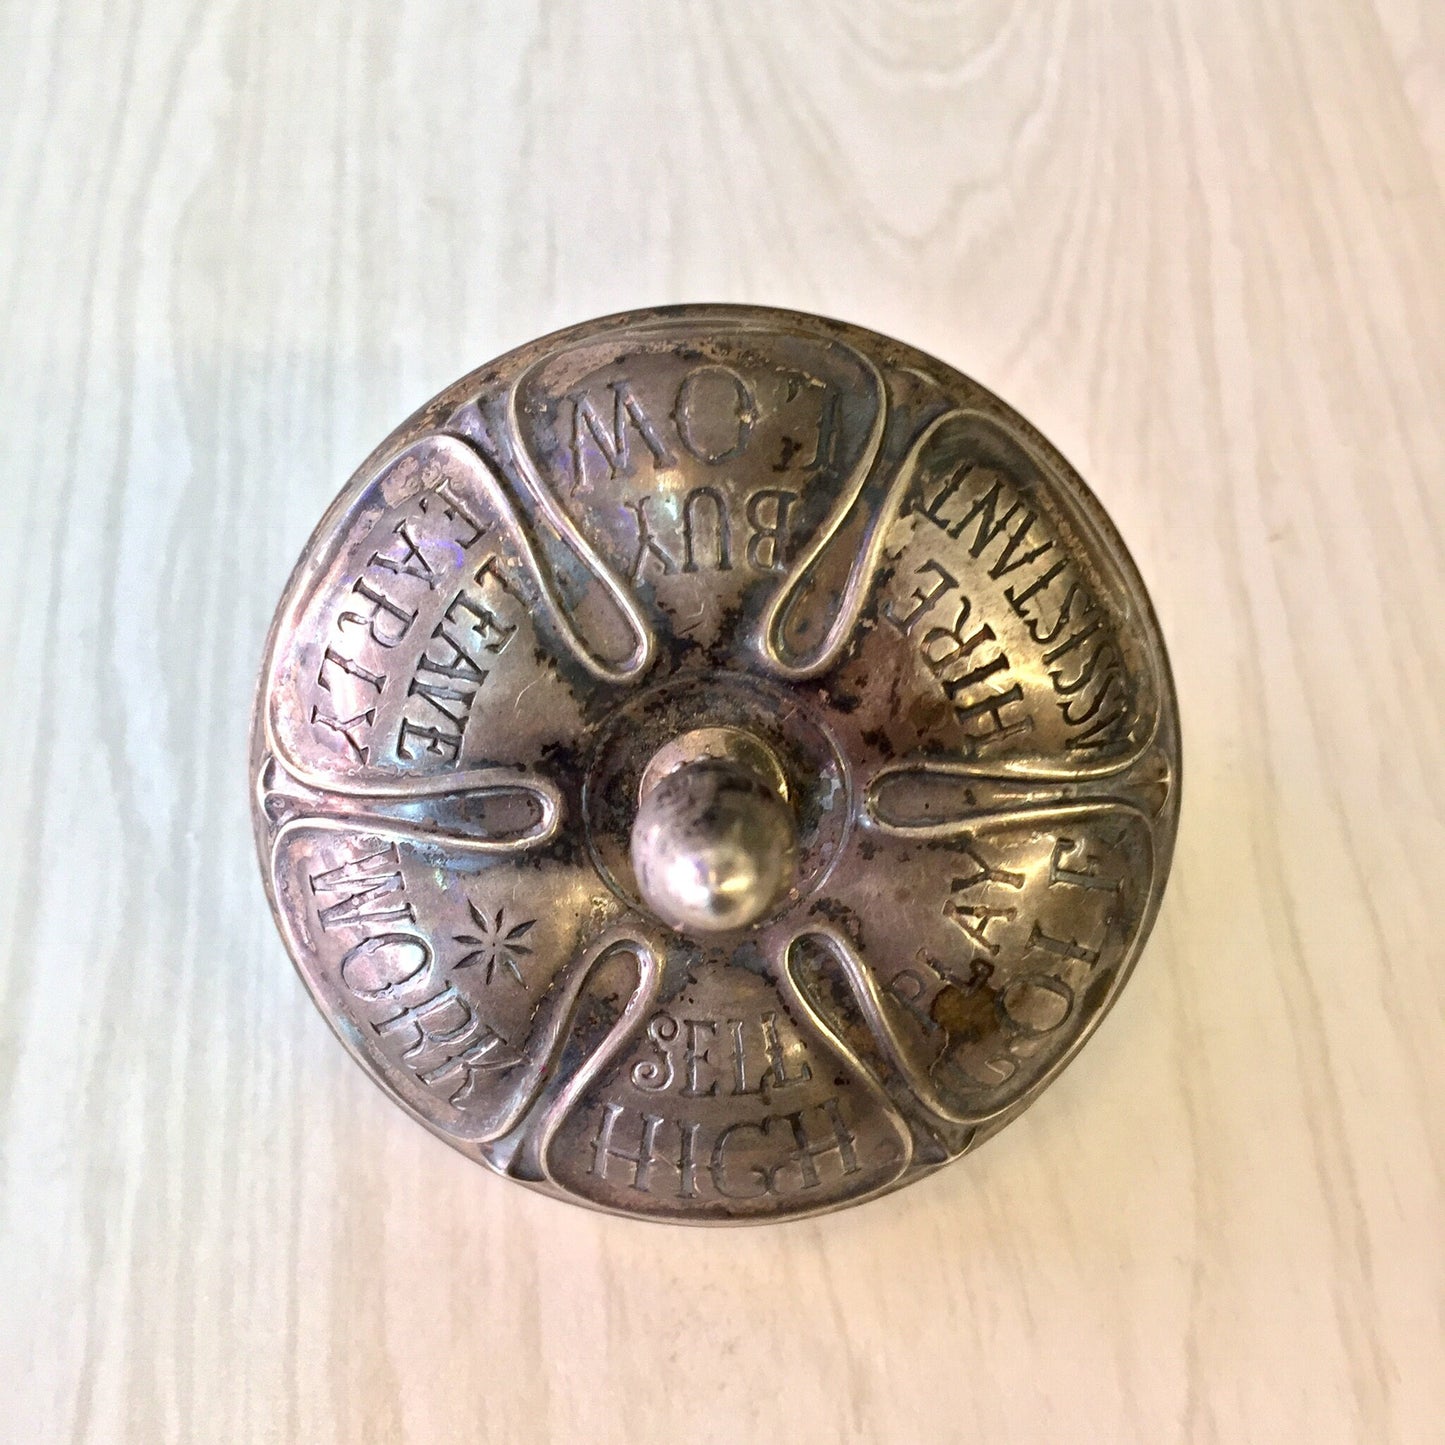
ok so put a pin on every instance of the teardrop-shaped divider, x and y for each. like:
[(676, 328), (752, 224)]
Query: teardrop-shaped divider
[(588, 565), (560, 533), (925, 800), (877, 1015), (536, 1142), (486, 811), (529, 1154), (849, 544)]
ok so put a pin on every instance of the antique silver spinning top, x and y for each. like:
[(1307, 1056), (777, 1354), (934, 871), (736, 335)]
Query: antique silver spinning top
[(715, 764)]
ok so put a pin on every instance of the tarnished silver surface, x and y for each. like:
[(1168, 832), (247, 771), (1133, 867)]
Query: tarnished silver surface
[(807, 628)]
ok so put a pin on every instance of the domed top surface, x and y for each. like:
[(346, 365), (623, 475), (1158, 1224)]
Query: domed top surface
[(715, 985)]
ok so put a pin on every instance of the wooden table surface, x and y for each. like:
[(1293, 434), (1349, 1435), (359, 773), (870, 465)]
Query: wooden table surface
[(1201, 243)]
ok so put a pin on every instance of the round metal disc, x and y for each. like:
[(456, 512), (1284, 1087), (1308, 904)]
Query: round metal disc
[(715, 538)]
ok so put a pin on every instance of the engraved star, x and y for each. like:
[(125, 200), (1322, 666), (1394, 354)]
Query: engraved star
[(497, 945)]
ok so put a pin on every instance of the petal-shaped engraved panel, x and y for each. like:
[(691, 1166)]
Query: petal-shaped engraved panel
[(725, 1108), (700, 464), (990, 953), (454, 978), (427, 637), (1001, 632)]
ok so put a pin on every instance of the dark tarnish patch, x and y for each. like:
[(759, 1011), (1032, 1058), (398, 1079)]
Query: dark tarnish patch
[(845, 702), (788, 448), (1097, 992), (877, 738), (749, 955), (838, 912), (966, 1015)]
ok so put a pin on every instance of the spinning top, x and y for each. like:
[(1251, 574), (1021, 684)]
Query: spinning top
[(715, 764)]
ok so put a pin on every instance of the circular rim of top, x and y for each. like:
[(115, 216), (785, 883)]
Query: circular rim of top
[(1104, 541)]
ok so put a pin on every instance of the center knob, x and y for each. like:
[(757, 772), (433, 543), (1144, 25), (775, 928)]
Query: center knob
[(715, 841)]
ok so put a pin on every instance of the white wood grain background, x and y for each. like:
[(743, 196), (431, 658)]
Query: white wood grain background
[(1200, 242)]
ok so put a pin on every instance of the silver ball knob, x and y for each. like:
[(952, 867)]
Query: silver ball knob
[(714, 843)]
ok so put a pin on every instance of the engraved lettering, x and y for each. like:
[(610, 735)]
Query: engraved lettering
[(381, 965), (1062, 947), (808, 1150), (694, 1058), (1085, 666), (486, 626), (346, 728), (1106, 732), (987, 872), (718, 1164), (447, 675), (988, 713), (740, 1065), (1077, 877), (909, 987), (1104, 652), (1036, 1005), (1018, 600), (645, 1158), (923, 600), (451, 702), (942, 646), (656, 1075), (984, 511), (442, 1039), (613, 443), (768, 541), (410, 563), (695, 415), (700, 527), (332, 658), (1046, 635), (487, 1054), (943, 649), (777, 1075), (454, 511), (720, 519), (647, 543), (956, 685), (703, 1071), (781, 1154), (974, 919), (1006, 561), (415, 741), (453, 661), (384, 635), (443, 1019), (371, 889), (826, 449), (491, 569)]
